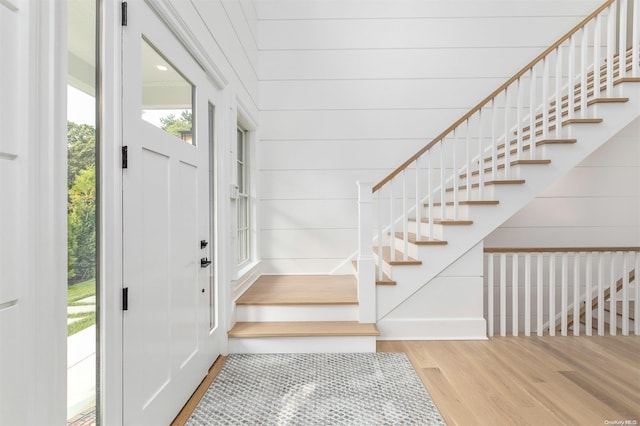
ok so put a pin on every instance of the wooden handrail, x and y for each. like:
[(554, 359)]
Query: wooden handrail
[(495, 93), (558, 249)]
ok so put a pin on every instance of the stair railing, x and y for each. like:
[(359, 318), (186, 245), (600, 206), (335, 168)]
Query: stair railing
[(509, 127), (549, 290)]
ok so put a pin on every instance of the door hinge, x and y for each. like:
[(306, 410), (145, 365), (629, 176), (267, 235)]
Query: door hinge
[(124, 13), (125, 157), (125, 299)]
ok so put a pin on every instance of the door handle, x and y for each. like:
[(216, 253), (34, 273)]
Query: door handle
[(204, 262)]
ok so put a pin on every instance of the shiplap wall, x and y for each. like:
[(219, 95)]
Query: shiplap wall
[(228, 32), (595, 204), (349, 89)]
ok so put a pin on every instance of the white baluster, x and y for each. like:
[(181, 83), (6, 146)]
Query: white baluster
[(636, 301), (571, 75), (468, 158), (507, 139), (519, 125), (527, 294), (558, 82), (539, 298), (584, 70), (490, 289), (635, 55), (392, 227), (613, 316), (545, 98), (532, 114), (514, 294), (625, 294), (588, 306), (405, 218), (601, 294), (611, 45), (622, 40), (503, 294), (380, 232), (480, 159), (576, 294), (443, 197), (456, 177), (552, 294), (494, 141), (597, 56), (430, 192), (564, 299), (418, 202)]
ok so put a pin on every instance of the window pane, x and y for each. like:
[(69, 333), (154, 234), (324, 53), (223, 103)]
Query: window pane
[(167, 97)]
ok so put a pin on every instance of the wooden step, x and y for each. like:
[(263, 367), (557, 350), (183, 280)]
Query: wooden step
[(301, 290), (582, 121), (626, 80), (386, 256), (302, 329), (412, 238), (607, 101), (490, 182)]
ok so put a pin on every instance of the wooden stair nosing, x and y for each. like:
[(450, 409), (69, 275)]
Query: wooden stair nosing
[(467, 203), (445, 222), (490, 182), (302, 329)]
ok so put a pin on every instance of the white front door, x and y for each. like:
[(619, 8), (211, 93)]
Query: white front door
[(166, 221)]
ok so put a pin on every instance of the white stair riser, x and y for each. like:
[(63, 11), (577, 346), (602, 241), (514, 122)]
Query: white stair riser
[(463, 212), (320, 344), (474, 194), (273, 313), (438, 230)]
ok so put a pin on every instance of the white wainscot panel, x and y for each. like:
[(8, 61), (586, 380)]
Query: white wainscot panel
[(578, 212), (341, 9), (309, 243), (306, 266), (337, 154), (375, 94), (413, 33), (623, 150), (357, 124), (394, 63), (308, 214)]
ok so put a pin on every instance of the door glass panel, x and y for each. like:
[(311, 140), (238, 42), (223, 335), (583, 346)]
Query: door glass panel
[(167, 97)]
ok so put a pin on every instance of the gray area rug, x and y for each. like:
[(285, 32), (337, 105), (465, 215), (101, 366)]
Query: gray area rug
[(316, 389)]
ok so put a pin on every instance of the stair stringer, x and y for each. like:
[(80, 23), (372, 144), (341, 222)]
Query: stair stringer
[(512, 198)]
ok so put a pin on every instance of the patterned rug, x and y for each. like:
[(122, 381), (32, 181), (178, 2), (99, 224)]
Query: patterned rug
[(316, 389)]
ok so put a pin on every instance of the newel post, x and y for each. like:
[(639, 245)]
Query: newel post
[(366, 262)]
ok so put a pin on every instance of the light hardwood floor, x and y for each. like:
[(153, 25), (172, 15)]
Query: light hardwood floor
[(521, 380), (530, 380)]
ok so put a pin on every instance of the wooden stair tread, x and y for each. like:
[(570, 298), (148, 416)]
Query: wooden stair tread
[(386, 256), (421, 242), (301, 290), (607, 101), (582, 121), (302, 329)]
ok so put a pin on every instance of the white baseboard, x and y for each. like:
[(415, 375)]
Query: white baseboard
[(433, 329)]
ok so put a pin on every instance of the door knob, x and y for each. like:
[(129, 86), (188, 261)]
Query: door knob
[(204, 262)]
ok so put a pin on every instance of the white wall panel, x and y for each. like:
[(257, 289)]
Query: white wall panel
[(394, 63), (356, 124), (309, 244), (411, 33), (309, 214), (375, 94), (372, 9), (242, 28), (321, 154)]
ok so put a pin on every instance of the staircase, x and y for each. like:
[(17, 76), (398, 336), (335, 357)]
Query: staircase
[(433, 212), (443, 201)]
